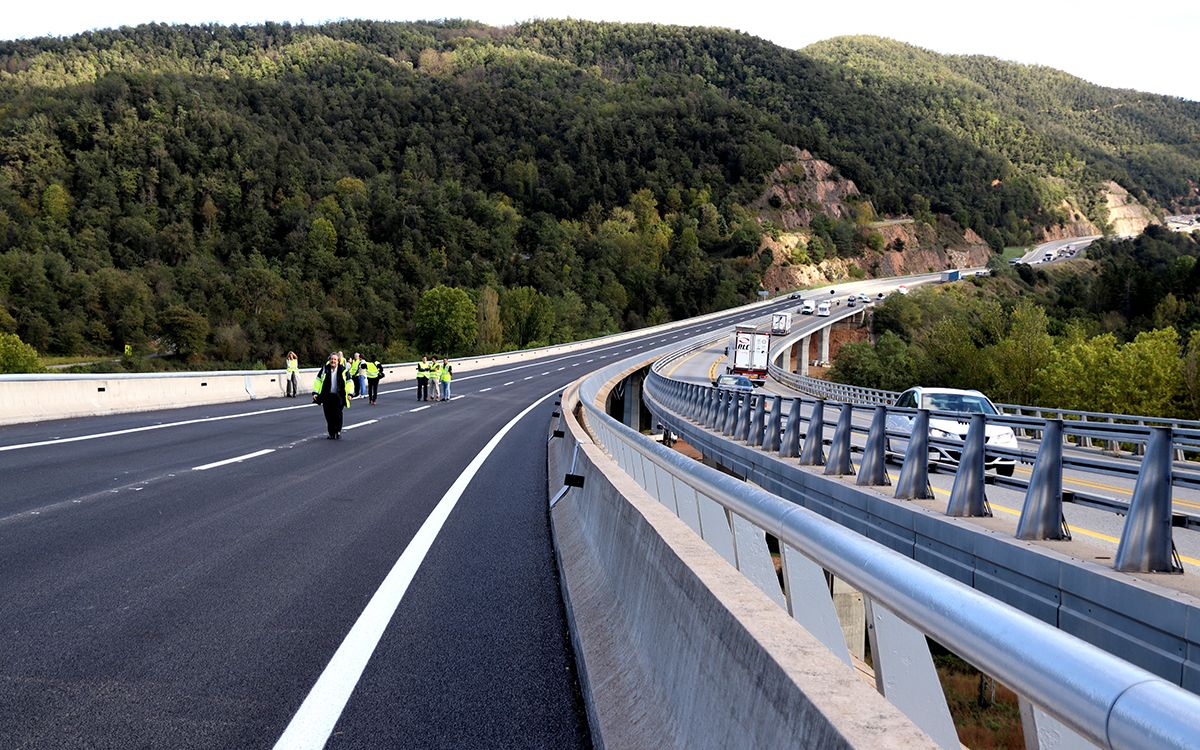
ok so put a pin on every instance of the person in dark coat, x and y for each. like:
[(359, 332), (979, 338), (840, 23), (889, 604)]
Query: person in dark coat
[(331, 389)]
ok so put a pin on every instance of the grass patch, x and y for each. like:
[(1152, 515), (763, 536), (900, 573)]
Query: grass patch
[(1013, 252), (981, 720)]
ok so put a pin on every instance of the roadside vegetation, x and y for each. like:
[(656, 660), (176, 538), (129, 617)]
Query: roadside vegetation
[(1118, 333), (221, 195)]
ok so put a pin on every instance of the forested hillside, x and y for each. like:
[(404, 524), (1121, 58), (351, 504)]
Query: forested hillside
[(228, 193)]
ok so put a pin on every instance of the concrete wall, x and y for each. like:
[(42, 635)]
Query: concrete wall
[(32, 398), (675, 647)]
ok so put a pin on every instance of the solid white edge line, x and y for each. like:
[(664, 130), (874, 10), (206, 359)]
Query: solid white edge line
[(317, 716), (360, 424), (234, 460)]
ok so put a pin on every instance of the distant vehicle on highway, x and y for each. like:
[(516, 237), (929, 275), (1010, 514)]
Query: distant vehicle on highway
[(881, 295), (864, 298), (808, 308), (823, 310), (734, 383), (951, 400), (851, 301), (902, 289)]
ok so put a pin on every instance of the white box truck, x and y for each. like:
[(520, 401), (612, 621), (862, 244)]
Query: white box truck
[(781, 323), (748, 353)]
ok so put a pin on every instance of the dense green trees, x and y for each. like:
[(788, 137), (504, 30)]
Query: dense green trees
[(303, 187), (1072, 338)]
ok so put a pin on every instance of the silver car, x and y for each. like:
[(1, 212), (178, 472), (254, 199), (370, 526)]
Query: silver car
[(950, 429)]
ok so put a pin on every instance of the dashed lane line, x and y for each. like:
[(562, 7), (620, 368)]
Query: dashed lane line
[(234, 460), (510, 382), (484, 390), (420, 408), (360, 424)]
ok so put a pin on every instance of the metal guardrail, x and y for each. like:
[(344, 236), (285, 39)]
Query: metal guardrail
[(1065, 685), (1185, 432)]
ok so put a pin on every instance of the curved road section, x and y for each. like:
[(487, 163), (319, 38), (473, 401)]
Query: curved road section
[(225, 577)]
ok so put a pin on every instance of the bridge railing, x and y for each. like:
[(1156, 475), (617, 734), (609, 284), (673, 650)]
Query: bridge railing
[(1065, 685), (1087, 427)]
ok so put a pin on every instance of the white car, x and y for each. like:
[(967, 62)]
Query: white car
[(864, 298), (951, 400), (823, 310), (808, 308)]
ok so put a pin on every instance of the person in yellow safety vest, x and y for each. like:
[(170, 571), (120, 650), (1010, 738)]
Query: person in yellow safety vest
[(292, 377), (423, 379), (331, 390), (352, 366), (447, 374), (374, 372), (435, 377)]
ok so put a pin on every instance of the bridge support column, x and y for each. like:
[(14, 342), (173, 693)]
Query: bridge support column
[(633, 402), (825, 344), (852, 614), (804, 358)]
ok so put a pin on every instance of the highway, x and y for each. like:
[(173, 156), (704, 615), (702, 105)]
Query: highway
[(1096, 531), (1057, 247), (224, 576)]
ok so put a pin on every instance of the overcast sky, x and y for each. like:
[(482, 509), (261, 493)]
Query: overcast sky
[(1149, 45)]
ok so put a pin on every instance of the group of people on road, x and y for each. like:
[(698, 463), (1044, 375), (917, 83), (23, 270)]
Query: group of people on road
[(341, 380), (433, 379), (338, 382)]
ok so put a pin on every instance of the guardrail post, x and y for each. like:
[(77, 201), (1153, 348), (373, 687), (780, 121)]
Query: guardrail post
[(732, 406), (839, 463), (742, 431), (790, 447), (967, 498), (697, 402), (814, 439), (771, 438), (756, 423), (1146, 545), (873, 470), (712, 404), (914, 474), (1042, 516)]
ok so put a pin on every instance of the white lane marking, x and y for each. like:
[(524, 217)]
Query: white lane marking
[(233, 460), (560, 369), (455, 398), (484, 390), (314, 721), (547, 372), (590, 360), (360, 424), (510, 382), (159, 426), (576, 364), (419, 408), (529, 378)]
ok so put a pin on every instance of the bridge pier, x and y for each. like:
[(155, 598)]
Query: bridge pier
[(804, 359), (824, 356)]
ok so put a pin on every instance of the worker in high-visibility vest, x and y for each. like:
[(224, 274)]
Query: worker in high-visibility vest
[(374, 372), (435, 379), (423, 379), (331, 390), (292, 376), (447, 374)]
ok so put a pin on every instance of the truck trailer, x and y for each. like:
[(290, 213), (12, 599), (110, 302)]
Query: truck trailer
[(748, 353)]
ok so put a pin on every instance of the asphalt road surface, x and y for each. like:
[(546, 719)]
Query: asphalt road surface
[(226, 577)]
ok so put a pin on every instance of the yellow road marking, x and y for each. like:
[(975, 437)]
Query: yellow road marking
[(712, 371), (1108, 487), (1074, 529)]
